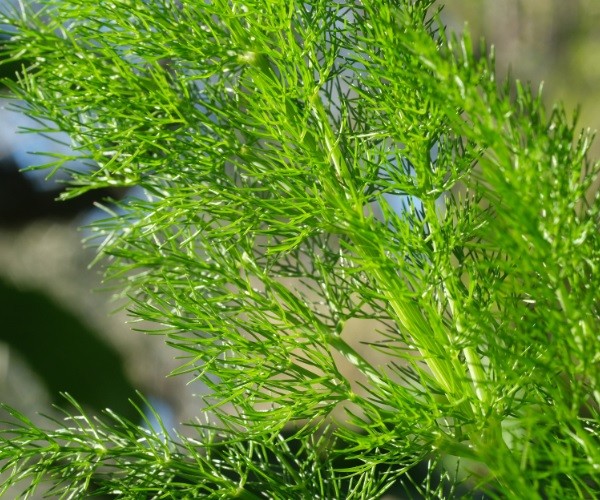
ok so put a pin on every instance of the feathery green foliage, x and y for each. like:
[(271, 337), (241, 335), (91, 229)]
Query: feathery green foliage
[(273, 142)]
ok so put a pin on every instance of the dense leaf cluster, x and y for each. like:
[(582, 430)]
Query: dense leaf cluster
[(304, 165)]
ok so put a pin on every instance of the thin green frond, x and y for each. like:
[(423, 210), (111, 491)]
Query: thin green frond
[(302, 167)]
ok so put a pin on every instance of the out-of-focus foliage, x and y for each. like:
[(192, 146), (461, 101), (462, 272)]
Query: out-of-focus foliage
[(554, 41)]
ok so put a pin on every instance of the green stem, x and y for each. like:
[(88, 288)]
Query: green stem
[(356, 359), (472, 359), (446, 372)]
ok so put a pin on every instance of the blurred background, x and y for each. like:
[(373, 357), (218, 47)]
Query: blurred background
[(60, 332)]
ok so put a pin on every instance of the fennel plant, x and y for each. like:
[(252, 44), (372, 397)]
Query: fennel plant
[(302, 165)]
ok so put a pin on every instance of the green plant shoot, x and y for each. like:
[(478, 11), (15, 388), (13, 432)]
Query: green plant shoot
[(302, 167)]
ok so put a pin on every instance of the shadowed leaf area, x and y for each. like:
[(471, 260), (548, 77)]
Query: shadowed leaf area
[(63, 352)]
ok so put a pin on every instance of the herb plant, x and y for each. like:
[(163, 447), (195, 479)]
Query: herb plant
[(301, 166)]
